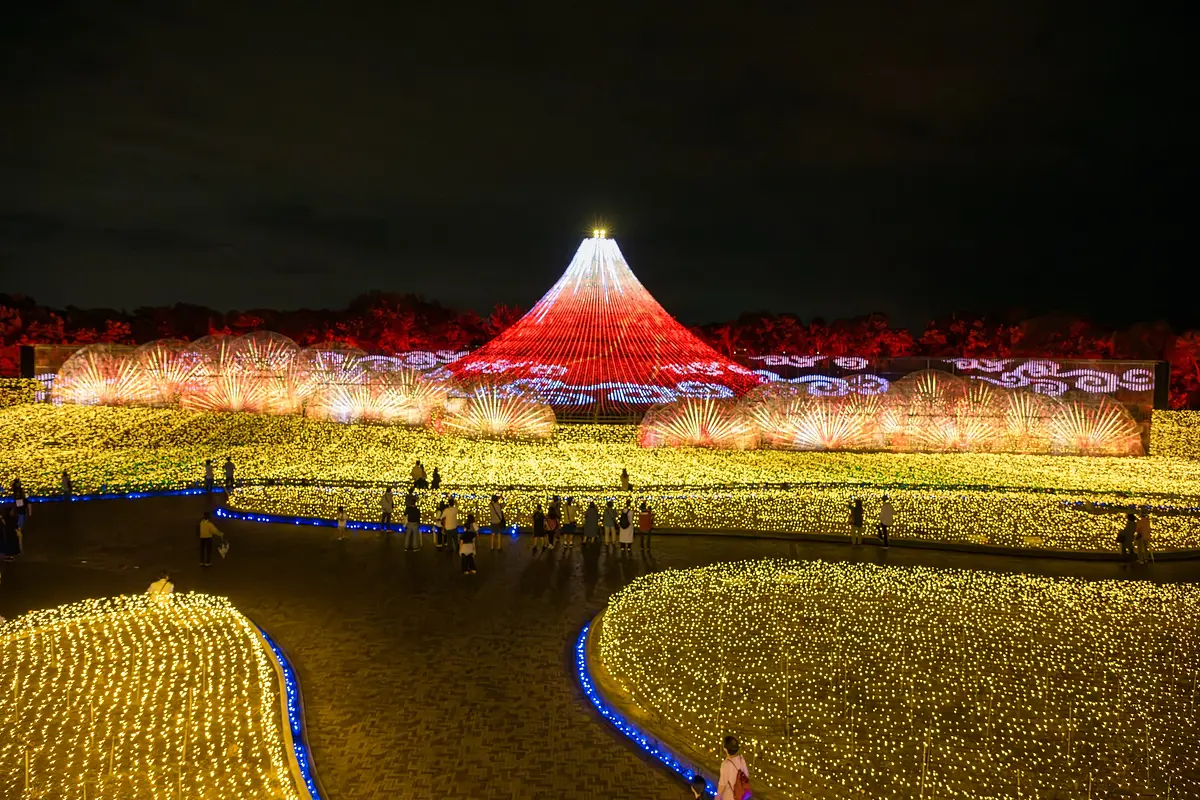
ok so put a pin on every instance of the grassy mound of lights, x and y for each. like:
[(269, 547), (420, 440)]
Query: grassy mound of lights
[(140, 697), (861, 681)]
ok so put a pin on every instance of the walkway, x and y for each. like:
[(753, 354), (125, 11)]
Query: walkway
[(420, 682)]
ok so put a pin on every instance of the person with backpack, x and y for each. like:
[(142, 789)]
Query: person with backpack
[(625, 537), (856, 522), (734, 783), (610, 524), (646, 525)]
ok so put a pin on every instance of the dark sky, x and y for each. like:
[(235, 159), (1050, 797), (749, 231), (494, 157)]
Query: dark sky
[(837, 159)]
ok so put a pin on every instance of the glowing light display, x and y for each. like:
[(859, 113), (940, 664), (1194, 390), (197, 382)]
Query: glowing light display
[(160, 697), (698, 423), (490, 412), (862, 681), (599, 338), (105, 375)]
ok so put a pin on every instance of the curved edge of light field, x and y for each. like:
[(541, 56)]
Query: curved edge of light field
[(299, 753)]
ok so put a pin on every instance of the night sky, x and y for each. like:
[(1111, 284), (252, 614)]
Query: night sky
[(838, 159)]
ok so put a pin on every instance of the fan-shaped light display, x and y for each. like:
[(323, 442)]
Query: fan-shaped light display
[(368, 395), (493, 412), (170, 366), (698, 423), (1089, 426), (103, 375), (792, 419)]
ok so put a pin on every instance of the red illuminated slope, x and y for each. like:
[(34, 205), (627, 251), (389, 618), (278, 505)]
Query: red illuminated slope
[(599, 340)]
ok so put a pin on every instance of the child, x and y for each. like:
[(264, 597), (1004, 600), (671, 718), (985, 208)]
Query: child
[(342, 517), (466, 545)]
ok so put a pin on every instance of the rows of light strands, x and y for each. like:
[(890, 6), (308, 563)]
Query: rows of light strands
[(927, 411), (1022, 519), (857, 681), (1175, 433), (140, 697), (267, 373), (146, 448)]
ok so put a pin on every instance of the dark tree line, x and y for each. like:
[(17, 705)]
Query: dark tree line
[(385, 322)]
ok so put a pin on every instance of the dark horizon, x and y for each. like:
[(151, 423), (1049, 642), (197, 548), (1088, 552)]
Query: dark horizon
[(826, 163)]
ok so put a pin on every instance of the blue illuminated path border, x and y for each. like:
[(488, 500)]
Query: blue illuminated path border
[(295, 720), (286, 519), (647, 744)]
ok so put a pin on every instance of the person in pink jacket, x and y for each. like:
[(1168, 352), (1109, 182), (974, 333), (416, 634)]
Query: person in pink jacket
[(734, 783)]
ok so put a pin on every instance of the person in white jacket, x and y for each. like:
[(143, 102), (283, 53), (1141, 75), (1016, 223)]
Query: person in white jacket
[(734, 765)]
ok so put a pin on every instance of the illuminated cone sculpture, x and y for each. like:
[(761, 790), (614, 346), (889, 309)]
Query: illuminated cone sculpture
[(599, 344)]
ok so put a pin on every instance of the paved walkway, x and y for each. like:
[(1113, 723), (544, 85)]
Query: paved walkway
[(420, 682)]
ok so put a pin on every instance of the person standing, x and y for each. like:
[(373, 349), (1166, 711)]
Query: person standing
[(412, 527), (625, 486), (418, 476), (386, 506), (1125, 539), (539, 528), (439, 533), (734, 782), (209, 480), (228, 475), (570, 521), (207, 531), (466, 545), (553, 516), (1141, 539), (66, 487), (20, 503), (450, 522), (646, 525), (625, 536), (435, 482), (886, 514), (610, 524), (856, 522), (10, 536), (342, 519), (498, 524), (591, 523)]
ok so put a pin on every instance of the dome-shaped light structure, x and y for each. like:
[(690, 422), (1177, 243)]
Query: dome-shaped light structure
[(170, 366), (489, 411), (104, 375), (244, 373), (320, 366), (793, 419), (368, 395), (599, 343), (696, 422), (1091, 426)]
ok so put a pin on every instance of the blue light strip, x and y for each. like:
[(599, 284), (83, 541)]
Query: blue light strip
[(295, 717), (643, 741), (284, 519), (138, 495)]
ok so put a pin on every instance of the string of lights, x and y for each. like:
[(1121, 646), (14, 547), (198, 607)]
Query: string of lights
[(157, 696), (853, 680)]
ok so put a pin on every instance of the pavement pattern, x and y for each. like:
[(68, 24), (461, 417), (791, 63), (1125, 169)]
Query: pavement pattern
[(420, 682)]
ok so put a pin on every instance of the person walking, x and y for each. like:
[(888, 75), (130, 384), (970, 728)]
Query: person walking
[(435, 482), (734, 781), (342, 519), (646, 525), (228, 475), (418, 476), (610, 524), (209, 480), (886, 514), (386, 506), (498, 524), (570, 522), (412, 527), (856, 522), (66, 487), (466, 545), (207, 531), (553, 517), (591, 523), (625, 536), (1125, 539), (450, 522), (1141, 540), (539, 528)]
